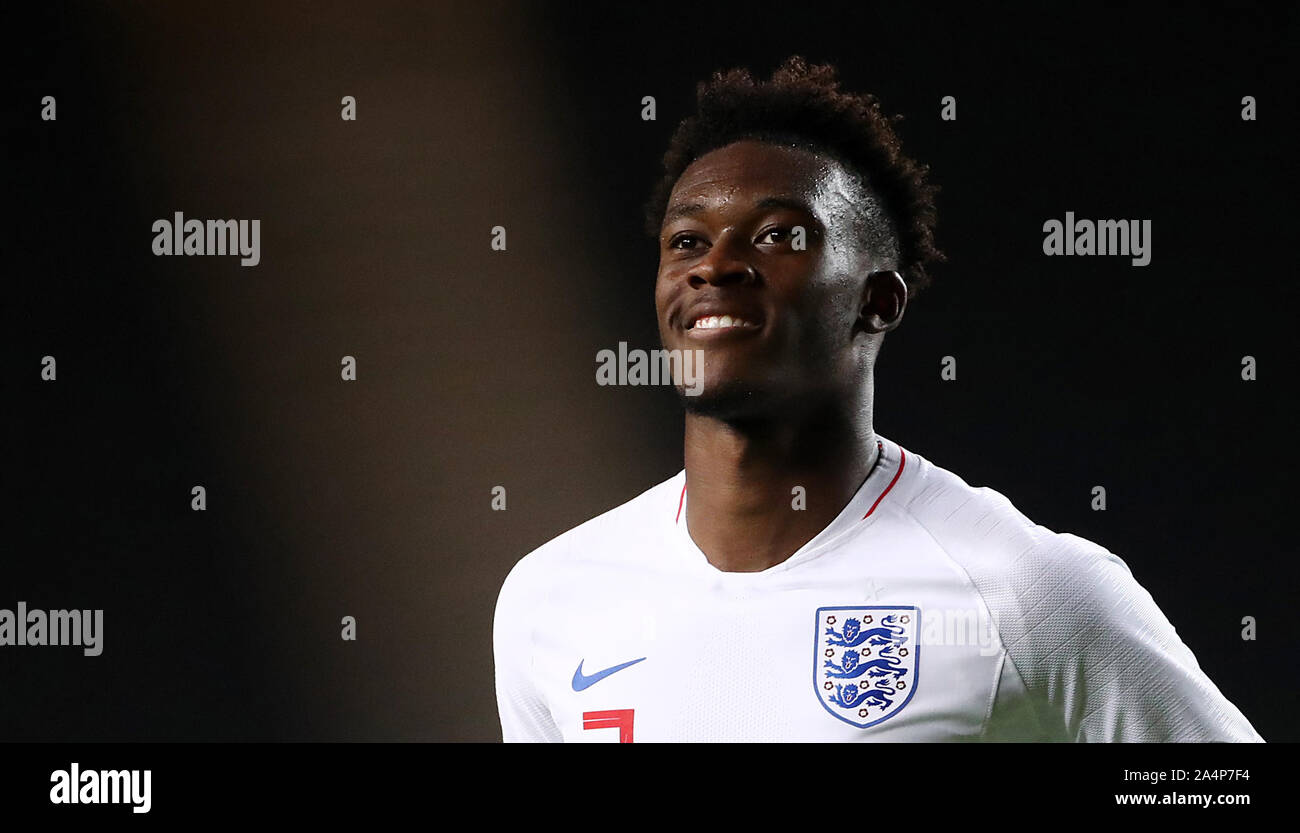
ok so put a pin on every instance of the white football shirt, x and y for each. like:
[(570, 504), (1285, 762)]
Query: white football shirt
[(928, 610)]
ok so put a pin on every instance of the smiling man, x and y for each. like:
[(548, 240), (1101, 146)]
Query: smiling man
[(805, 578)]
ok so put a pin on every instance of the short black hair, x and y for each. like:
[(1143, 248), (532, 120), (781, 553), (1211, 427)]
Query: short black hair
[(803, 105)]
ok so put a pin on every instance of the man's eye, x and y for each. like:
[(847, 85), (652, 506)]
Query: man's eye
[(684, 241), (776, 235)]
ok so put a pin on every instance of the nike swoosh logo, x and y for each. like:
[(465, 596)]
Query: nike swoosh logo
[(582, 681)]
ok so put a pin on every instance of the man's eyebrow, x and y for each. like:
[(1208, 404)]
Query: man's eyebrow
[(692, 209), (785, 202), (680, 210)]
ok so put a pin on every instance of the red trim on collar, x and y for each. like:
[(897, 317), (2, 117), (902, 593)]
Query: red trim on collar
[(902, 461)]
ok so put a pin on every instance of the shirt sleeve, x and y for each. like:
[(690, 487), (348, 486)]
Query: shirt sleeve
[(1096, 658), (525, 716)]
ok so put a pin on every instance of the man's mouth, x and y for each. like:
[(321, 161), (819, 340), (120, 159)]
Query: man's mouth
[(720, 322)]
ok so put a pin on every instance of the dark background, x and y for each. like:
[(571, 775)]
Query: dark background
[(477, 368)]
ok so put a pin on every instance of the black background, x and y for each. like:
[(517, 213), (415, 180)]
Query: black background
[(477, 368)]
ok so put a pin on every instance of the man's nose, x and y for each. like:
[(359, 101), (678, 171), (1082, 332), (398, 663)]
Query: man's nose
[(724, 264)]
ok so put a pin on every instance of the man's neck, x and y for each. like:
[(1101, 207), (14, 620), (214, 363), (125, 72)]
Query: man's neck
[(744, 509)]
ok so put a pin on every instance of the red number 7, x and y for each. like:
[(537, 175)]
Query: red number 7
[(620, 719)]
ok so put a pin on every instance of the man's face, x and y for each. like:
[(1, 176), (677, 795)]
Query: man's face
[(725, 249)]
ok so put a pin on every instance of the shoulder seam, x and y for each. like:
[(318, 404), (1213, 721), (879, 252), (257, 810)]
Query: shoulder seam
[(1006, 651)]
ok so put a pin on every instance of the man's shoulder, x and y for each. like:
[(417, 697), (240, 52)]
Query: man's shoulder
[(1094, 654), (991, 539), (603, 537)]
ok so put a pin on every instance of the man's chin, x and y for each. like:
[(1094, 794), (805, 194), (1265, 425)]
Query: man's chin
[(727, 400)]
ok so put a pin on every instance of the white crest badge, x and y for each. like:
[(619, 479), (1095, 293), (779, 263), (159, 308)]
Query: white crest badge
[(865, 661)]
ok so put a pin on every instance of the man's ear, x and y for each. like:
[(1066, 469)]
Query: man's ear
[(884, 297)]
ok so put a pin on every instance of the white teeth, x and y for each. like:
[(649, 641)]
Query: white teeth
[(715, 322)]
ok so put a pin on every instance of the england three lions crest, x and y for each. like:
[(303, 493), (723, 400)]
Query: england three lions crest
[(866, 659)]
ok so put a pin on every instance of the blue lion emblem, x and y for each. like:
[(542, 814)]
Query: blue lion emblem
[(852, 697), (866, 662), (889, 633), (851, 667)]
